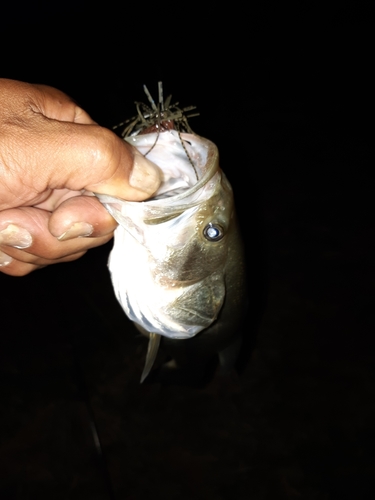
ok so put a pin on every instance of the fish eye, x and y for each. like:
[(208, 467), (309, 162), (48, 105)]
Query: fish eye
[(213, 232)]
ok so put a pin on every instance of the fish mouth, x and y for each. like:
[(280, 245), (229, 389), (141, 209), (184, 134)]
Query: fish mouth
[(172, 286), (168, 194), (210, 168)]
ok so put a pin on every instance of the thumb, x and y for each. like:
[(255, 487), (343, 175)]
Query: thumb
[(123, 172), (93, 158)]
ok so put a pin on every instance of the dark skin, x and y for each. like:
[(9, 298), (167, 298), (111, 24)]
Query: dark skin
[(53, 157)]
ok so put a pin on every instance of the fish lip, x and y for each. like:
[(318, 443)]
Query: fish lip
[(212, 161)]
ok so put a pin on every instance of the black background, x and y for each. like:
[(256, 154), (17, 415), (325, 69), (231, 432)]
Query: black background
[(285, 92)]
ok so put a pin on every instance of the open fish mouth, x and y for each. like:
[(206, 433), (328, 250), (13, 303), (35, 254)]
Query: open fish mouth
[(167, 275)]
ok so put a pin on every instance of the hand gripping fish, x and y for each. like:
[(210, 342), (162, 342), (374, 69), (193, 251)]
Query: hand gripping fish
[(177, 264)]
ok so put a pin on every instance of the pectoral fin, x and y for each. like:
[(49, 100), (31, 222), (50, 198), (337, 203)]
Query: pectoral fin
[(152, 350)]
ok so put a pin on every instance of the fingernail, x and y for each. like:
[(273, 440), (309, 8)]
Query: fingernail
[(77, 230), (4, 259), (14, 236), (145, 176)]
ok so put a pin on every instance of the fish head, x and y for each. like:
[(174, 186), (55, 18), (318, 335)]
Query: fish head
[(169, 257)]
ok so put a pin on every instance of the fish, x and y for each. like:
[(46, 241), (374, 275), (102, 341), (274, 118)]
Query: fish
[(177, 265)]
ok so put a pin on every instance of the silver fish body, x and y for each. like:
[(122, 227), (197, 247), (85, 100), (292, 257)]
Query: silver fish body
[(177, 264)]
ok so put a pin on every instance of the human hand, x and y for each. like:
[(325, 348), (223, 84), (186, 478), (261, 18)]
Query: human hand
[(53, 157)]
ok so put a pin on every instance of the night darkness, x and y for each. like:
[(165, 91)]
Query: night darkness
[(285, 95)]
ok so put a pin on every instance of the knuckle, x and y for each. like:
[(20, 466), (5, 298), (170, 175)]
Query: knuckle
[(108, 151), (106, 145)]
